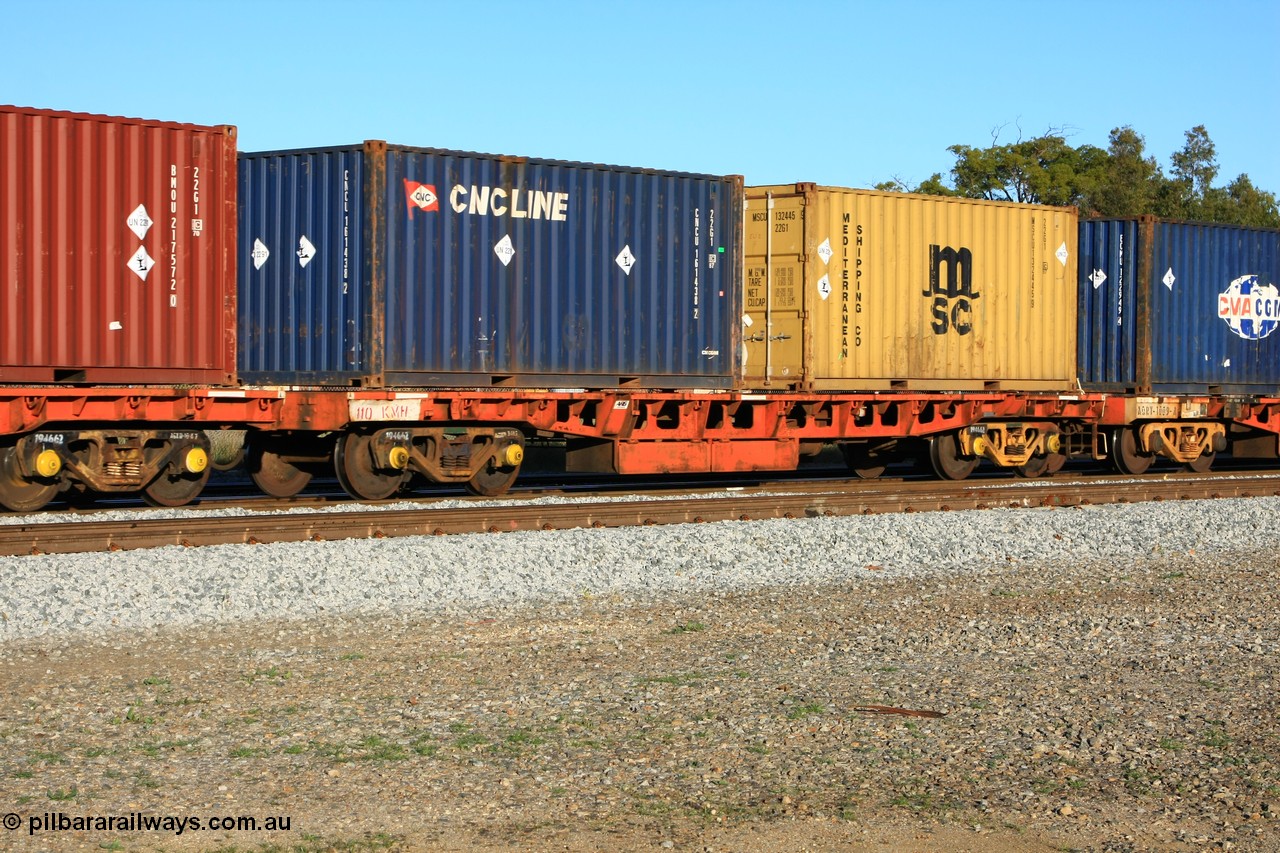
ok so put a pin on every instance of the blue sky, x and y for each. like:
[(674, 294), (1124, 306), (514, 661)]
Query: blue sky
[(837, 93)]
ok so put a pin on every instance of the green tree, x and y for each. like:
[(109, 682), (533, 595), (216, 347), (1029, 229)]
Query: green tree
[(1128, 179), (1040, 170), (935, 184), (1241, 203), (1186, 194), (1196, 165), (1122, 180)]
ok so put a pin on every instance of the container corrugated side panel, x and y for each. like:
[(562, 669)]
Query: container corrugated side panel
[(1108, 290), (117, 237), (1215, 308), (942, 293), (507, 271), (304, 286)]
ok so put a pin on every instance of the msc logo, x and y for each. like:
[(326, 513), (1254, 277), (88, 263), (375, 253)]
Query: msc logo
[(952, 298), (421, 196)]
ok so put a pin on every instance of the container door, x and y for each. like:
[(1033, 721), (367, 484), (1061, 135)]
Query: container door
[(773, 315), (1107, 326), (303, 283)]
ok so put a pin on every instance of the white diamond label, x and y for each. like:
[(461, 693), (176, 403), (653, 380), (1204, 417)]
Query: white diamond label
[(306, 251), (1169, 278), (1098, 277), (115, 326), (504, 250), (824, 287), (824, 251), (1062, 254), (139, 222), (141, 263), (260, 254), (625, 259)]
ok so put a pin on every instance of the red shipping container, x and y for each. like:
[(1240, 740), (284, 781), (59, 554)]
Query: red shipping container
[(117, 237)]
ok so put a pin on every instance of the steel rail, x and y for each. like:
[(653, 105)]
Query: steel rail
[(323, 493), (79, 536)]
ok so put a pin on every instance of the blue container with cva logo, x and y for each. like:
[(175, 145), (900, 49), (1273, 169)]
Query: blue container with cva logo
[(1179, 307)]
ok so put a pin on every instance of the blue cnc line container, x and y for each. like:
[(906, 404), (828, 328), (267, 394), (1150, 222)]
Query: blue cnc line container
[(380, 265)]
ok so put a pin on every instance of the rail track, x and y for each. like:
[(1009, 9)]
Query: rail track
[(78, 534)]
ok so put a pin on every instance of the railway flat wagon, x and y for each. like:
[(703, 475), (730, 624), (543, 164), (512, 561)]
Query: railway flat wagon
[(851, 289), (381, 265), (421, 271), (1179, 307)]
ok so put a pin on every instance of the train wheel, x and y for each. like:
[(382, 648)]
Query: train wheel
[(1041, 466), (1125, 454), (353, 462), (18, 493), (944, 453), (861, 461), (492, 481), (1202, 463), (270, 472), (1037, 466), (171, 490)]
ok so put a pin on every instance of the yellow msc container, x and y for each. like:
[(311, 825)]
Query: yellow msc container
[(858, 290)]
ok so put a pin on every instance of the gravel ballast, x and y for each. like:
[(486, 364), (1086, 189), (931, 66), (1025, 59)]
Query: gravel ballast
[(1106, 676), (172, 586)]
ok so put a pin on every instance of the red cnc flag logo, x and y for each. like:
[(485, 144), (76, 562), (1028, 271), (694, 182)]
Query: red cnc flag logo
[(421, 196)]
